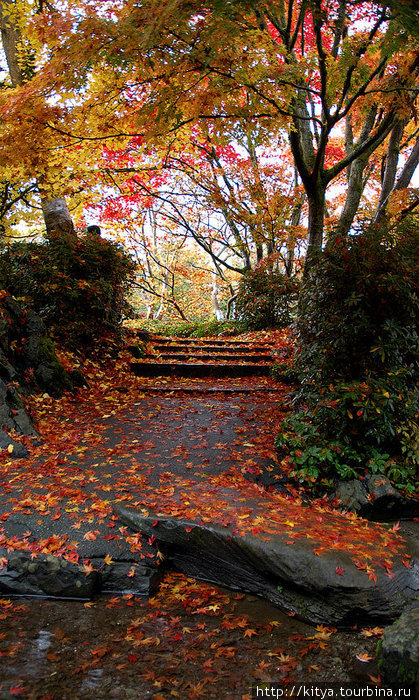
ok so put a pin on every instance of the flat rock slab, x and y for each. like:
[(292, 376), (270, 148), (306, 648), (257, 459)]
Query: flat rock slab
[(305, 564)]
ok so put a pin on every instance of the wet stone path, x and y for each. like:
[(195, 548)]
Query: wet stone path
[(189, 639), (119, 456)]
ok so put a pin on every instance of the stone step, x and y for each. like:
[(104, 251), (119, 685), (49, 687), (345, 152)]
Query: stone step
[(285, 567), (213, 348), (198, 369), (205, 389), (209, 341), (198, 357)]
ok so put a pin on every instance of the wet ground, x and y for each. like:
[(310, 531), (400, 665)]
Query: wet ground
[(192, 640)]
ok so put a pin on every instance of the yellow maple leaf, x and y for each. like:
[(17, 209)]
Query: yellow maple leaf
[(87, 568)]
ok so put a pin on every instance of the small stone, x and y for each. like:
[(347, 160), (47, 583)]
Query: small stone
[(352, 494), (6, 442)]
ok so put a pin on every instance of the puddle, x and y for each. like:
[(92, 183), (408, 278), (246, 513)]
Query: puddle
[(37, 654), (192, 640), (91, 682)]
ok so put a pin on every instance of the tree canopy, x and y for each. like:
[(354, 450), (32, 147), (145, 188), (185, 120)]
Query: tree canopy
[(247, 127)]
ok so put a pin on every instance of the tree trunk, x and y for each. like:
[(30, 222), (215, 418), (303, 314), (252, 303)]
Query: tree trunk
[(230, 307), (149, 309), (160, 310), (390, 184), (57, 217), (409, 168), (178, 309), (353, 197), (355, 175), (10, 37), (295, 220), (316, 211), (390, 170), (215, 303)]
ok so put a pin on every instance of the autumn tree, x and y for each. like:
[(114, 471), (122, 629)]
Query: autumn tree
[(321, 72), (233, 200), (13, 191), (337, 79), (157, 257), (173, 278), (35, 169), (247, 199)]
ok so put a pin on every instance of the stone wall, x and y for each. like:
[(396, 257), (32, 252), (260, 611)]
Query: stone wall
[(27, 363)]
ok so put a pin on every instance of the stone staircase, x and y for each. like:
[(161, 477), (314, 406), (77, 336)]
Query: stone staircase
[(203, 357)]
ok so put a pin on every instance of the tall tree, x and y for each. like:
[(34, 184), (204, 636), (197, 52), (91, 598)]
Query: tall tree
[(21, 61)]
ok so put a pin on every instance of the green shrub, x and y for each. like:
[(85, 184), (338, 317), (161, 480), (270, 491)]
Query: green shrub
[(76, 284), (284, 372), (266, 298), (358, 358)]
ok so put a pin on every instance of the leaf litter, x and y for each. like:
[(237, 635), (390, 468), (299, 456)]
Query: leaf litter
[(98, 446)]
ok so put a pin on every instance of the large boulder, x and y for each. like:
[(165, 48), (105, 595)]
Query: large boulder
[(376, 499), (25, 346), (398, 651), (300, 566)]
